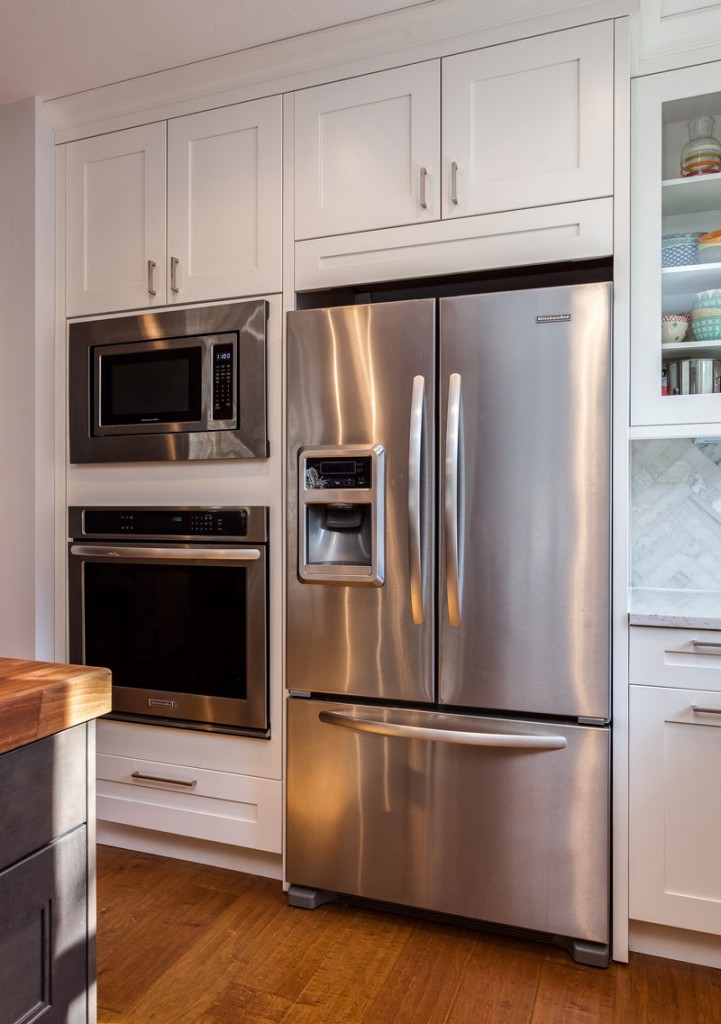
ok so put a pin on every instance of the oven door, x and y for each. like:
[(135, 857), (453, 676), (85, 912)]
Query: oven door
[(182, 627)]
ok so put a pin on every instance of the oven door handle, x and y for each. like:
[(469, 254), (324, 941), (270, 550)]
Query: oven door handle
[(125, 552)]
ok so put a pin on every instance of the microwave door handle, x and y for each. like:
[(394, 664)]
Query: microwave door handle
[(125, 552)]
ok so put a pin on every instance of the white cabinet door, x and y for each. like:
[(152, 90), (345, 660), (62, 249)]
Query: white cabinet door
[(367, 152), (529, 123), (115, 216), (675, 808), (224, 202)]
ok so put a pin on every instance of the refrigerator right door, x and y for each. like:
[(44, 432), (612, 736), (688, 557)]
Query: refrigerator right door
[(525, 501)]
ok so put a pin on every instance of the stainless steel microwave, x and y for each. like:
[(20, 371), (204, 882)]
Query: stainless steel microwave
[(180, 384)]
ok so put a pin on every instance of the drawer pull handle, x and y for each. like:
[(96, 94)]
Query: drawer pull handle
[(190, 783), (698, 710), (706, 643)]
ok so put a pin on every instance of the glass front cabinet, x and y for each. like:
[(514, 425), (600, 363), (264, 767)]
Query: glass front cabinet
[(676, 250)]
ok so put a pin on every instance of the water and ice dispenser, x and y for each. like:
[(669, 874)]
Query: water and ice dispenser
[(341, 505)]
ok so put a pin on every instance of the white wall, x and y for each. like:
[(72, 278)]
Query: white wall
[(26, 380)]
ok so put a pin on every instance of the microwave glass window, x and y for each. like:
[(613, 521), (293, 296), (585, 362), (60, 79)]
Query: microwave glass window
[(167, 627), (151, 387)]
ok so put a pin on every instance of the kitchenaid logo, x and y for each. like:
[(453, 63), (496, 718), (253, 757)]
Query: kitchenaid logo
[(553, 318)]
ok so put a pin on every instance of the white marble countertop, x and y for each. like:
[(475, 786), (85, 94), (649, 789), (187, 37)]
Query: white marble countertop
[(683, 609)]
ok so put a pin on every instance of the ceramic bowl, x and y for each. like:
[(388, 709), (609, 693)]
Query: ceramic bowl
[(707, 328), (711, 297), (674, 327)]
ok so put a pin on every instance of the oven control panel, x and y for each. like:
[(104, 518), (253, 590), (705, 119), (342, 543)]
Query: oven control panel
[(226, 523)]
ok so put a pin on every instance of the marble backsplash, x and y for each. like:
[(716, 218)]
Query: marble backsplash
[(676, 515)]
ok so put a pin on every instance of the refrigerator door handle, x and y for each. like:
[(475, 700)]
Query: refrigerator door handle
[(453, 426), (415, 441), (421, 732)]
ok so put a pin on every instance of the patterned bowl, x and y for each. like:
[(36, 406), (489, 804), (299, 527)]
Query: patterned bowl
[(674, 327), (707, 328), (711, 297)]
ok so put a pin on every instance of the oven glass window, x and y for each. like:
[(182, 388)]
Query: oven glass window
[(176, 628), (151, 387)]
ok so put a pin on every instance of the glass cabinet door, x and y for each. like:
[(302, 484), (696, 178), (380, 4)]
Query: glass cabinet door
[(676, 249)]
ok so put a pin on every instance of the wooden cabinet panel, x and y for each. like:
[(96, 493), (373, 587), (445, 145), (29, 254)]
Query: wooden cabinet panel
[(44, 792), (224, 208), (529, 123), (367, 152), (43, 951), (675, 808), (115, 216)]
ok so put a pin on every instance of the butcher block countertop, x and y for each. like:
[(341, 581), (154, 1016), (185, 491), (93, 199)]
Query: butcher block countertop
[(39, 698)]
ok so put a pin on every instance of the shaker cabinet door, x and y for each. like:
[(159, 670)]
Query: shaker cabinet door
[(224, 202), (529, 123), (367, 152), (115, 216), (675, 808)]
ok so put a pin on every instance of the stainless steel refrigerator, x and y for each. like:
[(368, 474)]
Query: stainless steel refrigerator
[(448, 617)]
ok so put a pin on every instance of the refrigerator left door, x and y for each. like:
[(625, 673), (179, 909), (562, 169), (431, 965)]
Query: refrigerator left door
[(360, 451)]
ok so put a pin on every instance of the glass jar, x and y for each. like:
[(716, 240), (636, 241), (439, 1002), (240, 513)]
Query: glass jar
[(702, 153)]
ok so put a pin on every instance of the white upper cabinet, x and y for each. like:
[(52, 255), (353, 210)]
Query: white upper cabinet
[(223, 196), (523, 124), (115, 217), (367, 152), (224, 208), (529, 123)]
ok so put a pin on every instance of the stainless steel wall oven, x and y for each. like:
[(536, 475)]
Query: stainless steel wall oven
[(174, 602)]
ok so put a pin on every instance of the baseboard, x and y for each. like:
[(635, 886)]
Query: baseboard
[(254, 862), (675, 943)]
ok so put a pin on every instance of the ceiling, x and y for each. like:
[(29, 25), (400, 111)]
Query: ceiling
[(51, 48)]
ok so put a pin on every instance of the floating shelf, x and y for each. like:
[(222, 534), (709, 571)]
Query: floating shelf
[(692, 349)]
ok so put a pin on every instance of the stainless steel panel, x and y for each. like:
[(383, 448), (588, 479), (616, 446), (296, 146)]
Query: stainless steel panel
[(509, 834), (533, 498), (249, 440), (351, 377)]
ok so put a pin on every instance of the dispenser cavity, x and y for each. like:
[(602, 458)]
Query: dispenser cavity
[(342, 515)]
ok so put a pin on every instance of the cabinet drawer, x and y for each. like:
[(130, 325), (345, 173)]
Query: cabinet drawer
[(220, 807), (685, 658), (43, 788)]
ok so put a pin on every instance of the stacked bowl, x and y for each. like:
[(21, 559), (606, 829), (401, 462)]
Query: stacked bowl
[(709, 247), (706, 315)]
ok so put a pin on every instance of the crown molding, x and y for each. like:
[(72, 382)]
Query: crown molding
[(435, 29)]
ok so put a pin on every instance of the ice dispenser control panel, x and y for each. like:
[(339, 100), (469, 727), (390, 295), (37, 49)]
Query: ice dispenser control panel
[(341, 511)]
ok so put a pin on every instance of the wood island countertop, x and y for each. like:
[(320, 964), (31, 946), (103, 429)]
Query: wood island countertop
[(39, 698)]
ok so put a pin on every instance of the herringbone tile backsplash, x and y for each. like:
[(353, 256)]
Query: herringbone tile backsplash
[(676, 514)]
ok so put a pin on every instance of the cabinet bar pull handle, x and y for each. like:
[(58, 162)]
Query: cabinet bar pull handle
[(424, 176), (190, 783), (174, 261), (415, 453), (706, 643), (705, 711), (454, 183), (151, 267)]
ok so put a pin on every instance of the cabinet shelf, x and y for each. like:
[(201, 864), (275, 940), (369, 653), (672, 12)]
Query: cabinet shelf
[(692, 349), (691, 195), (680, 284)]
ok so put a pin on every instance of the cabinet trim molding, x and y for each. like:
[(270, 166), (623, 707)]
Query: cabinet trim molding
[(390, 40)]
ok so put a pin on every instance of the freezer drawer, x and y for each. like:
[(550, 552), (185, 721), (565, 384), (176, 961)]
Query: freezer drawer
[(499, 820)]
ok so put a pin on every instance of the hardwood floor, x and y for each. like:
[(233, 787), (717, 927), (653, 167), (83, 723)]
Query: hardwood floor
[(182, 943)]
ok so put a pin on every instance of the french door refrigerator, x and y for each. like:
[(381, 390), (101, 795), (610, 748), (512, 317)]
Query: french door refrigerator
[(448, 619)]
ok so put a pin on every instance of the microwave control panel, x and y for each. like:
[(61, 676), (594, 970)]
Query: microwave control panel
[(223, 376)]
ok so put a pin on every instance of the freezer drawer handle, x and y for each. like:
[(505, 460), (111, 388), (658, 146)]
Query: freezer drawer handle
[(415, 440), (190, 553), (421, 732), (453, 425)]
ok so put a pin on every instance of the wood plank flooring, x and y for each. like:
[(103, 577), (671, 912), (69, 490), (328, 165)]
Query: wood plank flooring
[(182, 943)]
